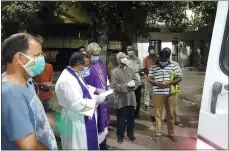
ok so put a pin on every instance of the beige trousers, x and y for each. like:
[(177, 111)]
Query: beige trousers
[(159, 103)]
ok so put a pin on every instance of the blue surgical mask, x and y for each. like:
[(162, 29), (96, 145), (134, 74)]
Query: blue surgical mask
[(85, 72), (35, 66), (95, 58)]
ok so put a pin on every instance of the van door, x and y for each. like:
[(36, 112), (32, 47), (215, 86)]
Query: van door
[(213, 119)]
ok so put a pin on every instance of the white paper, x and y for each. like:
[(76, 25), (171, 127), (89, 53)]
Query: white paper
[(105, 94), (91, 89)]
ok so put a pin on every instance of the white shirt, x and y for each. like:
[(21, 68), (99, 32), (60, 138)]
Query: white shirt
[(135, 64)]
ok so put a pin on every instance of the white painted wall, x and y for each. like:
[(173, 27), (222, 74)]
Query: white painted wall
[(142, 50), (194, 35)]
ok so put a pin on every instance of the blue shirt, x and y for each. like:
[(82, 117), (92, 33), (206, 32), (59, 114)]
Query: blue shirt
[(23, 114)]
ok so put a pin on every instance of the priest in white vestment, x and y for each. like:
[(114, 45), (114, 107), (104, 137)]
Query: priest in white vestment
[(78, 117)]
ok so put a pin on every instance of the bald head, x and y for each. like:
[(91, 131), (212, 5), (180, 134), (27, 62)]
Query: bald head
[(94, 48)]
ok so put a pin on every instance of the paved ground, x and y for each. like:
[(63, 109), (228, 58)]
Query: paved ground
[(188, 111)]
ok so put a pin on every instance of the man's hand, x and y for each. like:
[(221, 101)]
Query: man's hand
[(146, 78), (100, 99), (131, 84), (99, 91), (43, 87), (167, 83), (163, 84)]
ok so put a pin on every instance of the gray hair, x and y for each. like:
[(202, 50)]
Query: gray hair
[(93, 46), (119, 55)]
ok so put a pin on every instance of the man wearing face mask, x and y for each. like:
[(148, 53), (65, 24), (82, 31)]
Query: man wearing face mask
[(44, 81), (164, 116), (124, 82), (134, 62), (148, 61), (98, 78), (78, 116), (25, 123), (87, 64), (159, 76)]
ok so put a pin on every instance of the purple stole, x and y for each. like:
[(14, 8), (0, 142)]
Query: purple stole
[(91, 129), (98, 79)]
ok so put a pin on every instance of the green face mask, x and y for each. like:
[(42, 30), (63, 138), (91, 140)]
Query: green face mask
[(35, 66)]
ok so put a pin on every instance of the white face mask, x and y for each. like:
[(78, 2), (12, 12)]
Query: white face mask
[(163, 64), (124, 61), (131, 53), (152, 51)]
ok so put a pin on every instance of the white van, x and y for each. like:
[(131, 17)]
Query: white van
[(213, 119)]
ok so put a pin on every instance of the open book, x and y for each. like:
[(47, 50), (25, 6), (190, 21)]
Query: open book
[(106, 93)]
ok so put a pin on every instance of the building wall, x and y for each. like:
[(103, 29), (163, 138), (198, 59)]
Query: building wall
[(189, 48), (64, 42), (59, 49)]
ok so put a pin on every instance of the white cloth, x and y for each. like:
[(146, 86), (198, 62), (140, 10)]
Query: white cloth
[(135, 64), (70, 97), (108, 82), (103, 134)]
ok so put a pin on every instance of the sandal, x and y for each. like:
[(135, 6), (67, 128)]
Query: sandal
[(156, 138)]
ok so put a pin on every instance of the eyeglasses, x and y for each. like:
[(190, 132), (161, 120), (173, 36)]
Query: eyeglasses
[(95, 54), (41, 54)]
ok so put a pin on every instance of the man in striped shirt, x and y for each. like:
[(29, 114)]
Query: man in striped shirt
[(159, 76)]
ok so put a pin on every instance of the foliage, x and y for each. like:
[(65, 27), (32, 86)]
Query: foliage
[(135, 16), (113, 16), (204, 13), (174, 15), (24, 12)]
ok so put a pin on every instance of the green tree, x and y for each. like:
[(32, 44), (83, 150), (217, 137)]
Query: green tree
[(134, 17), (16, 15), (204, 13)]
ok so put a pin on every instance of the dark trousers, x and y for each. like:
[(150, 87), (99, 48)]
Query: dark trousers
[(125, 114), (138, 101), (103, 145)]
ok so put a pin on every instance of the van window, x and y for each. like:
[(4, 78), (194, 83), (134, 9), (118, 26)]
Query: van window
[(224, 59)]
